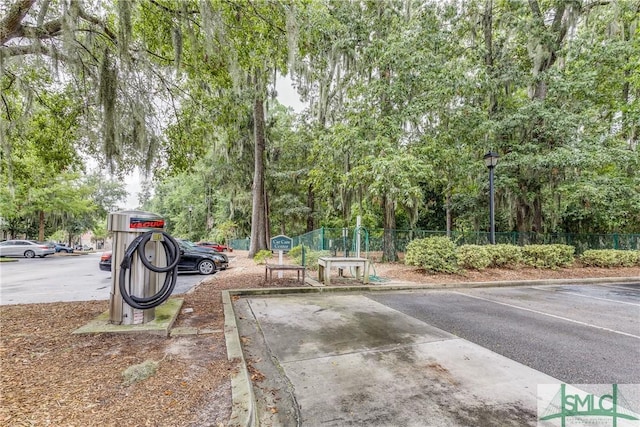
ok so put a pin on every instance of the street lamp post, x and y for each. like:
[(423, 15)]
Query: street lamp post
[(190, 210), (491, 160)]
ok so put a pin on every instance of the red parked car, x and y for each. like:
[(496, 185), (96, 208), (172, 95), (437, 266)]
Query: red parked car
[(215, 246)]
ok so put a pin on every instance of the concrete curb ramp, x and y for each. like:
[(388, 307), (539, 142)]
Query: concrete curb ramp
[(336, 371)]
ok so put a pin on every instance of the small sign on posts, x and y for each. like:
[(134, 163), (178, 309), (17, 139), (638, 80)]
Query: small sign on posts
[(281, 243)]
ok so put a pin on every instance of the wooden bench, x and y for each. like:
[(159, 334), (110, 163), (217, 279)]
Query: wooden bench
[(281, 267)]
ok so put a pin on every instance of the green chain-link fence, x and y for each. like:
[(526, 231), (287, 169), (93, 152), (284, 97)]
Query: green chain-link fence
[(343, 241)]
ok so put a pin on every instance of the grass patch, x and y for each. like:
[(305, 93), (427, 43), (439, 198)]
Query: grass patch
[(140, 372)]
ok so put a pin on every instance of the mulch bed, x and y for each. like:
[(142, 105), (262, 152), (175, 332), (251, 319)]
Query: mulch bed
[(51, 377)]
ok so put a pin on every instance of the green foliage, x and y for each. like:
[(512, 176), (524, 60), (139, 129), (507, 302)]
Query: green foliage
[(474, 257), (41, 188), (296, 253), (223, 233), (402, 100), (107, 194), (434, 254), (610, 258), (100, 232), (58, 236), (109, 99), (548, 256), (505, 256), (310, 257), (261, 257), (395, 94)]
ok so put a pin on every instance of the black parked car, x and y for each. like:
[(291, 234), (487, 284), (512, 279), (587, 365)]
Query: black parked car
[(190, 260), (222, 261)]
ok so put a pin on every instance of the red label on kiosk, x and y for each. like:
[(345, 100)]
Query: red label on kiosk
[(139, 223)]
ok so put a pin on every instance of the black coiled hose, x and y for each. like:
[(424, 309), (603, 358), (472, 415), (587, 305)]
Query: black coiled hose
[(172, 251)]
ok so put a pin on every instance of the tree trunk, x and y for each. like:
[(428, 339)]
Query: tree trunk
[(267, 215), (41, 227), (311, 206), (389, 253), (536, 227), (629, 126), (447, 207), (522, 214), (258, 211), (529, 212)]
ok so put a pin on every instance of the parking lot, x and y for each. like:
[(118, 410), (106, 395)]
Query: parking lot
[(448, 357), (577, 334), (62, 277)]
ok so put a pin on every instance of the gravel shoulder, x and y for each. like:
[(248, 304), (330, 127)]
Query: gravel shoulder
[(51, 377)]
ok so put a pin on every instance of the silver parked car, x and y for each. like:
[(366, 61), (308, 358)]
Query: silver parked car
[(26, 248)]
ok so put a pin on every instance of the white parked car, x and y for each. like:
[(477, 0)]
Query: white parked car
[(26, 248)]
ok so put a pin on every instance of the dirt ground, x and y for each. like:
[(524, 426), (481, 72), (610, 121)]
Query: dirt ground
[(50, 377)]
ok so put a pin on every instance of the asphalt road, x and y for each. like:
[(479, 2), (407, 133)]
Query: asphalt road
[(578, 334), (64, 278)]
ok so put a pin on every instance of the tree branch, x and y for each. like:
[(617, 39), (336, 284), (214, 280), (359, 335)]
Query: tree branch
[(170, 10), (11, 23), (96, 21), (267, 21), (11, 27), (588, 7), (6, 107), (557, 19), (535, 9), (44, 7), (46, 31), (32, 49)]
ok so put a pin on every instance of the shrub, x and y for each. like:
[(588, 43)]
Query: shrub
[(262, 256), (296, 253), (435, 254), (610, 258), (548, 256), (629, 258), (503, 255), (473, 257), (311, 258)]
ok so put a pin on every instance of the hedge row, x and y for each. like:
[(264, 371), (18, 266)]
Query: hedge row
[(610, 258), (441, 255)]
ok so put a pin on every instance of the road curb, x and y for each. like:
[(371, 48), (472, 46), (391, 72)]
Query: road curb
[(416, 286), (243, 408)]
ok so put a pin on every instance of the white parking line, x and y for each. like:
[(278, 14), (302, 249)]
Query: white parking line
[(583, 296), (624, 288), (550, 315)]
